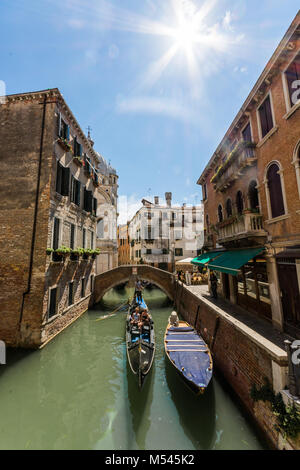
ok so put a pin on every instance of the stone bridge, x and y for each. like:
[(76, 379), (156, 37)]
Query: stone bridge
[(106, 281)]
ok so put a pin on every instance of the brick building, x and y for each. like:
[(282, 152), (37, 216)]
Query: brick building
[(49, 192), (251, 194)]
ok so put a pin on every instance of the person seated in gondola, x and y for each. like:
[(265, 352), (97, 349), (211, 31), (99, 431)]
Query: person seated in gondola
[(135, 317), (144, 319)]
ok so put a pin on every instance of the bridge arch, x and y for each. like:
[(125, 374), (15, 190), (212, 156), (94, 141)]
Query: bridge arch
[(110, 279)]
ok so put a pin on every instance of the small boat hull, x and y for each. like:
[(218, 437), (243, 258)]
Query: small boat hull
[(190, 356), (140, 346)]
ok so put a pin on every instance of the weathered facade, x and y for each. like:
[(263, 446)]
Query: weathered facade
[(123, 245), (49, 184), (251, 192)]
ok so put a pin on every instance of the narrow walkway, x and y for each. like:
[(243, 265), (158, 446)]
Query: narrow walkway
[(258, 329)]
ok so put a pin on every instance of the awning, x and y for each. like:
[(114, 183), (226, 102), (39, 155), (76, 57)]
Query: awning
[(185, 261), (231, 261), (206, 257)]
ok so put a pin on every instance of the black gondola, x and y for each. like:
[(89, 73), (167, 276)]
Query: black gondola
[(140, 345)]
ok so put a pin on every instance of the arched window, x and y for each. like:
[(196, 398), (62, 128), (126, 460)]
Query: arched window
[(239, 202), (100, 228), (253, 195), (275, 191), (228, 208), (220, 213)]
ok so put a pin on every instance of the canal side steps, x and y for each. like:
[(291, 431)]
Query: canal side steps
[(246, 349)]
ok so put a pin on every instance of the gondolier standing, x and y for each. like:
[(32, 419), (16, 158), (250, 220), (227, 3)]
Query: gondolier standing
[(138, 290)]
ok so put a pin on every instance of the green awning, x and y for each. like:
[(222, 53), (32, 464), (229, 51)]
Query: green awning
[(206, 257), (231, 261)]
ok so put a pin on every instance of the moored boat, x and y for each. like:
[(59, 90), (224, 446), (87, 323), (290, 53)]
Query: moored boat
[(190, 356), (140, 344)]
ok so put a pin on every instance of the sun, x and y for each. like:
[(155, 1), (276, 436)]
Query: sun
[(185, 35)]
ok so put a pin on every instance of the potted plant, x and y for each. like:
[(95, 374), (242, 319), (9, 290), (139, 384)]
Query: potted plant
[(63, 251), (49, 251), (95, 253), (78, 160)]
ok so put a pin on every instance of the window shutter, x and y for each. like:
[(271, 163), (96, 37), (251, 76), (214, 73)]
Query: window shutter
[(247, 137), (266, 119), (59, 125), (59, 176), (80, 150), (75, 147), (65, 187), (55, 234), (72, 193), (72, 236), (68, 133), (52, 304), (78, 189), (95, 204)]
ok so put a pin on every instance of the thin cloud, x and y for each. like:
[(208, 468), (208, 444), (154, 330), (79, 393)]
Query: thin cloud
[(159, 106)]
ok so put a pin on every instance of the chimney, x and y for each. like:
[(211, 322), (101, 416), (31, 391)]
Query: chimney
[(168, 199), (156, 200)]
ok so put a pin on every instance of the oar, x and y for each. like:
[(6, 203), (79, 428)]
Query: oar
[(115, 311)]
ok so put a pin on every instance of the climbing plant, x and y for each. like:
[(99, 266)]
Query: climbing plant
[(288, 417)]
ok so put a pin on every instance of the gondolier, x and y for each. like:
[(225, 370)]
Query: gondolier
[(138, 290)]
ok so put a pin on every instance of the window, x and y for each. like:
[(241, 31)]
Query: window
[(72, 236), (75, 191), (240, 202), (83, 238), (204, 187), (88, 200), (95, 204), (148, 251), (292, 75), (82, 287), (275, 191), (77, 148), (92, 240), (253, 196), (136, 253), (265, 116), (100, 228), (178, 252), (228, 208), (247, 136), (63, 129), (55, 240), (220, 213), (62, 180), (52, 302), (178, 235), (71, 293)]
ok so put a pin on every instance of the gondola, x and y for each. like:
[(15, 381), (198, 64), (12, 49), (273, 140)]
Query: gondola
[(140, 345), (190, 355)]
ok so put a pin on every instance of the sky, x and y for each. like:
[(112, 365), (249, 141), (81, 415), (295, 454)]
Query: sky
[(158, 81)]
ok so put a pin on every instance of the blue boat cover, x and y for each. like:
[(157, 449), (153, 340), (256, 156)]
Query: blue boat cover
[(187, 352), (141, 303)]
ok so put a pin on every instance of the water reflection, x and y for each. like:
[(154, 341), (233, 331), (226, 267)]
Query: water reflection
[(78, 393), (196, 413)]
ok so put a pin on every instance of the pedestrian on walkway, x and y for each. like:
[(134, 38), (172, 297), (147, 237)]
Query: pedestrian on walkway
[(214, 284)]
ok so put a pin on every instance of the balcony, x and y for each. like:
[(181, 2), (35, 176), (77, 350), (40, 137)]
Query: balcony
[(245, 226), (235, 165)]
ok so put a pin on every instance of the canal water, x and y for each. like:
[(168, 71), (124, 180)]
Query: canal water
[(77, 393)]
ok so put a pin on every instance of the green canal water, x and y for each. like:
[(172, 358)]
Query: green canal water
[(78, 393)]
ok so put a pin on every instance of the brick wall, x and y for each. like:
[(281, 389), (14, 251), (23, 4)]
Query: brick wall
[(20, 136), (241, 360)]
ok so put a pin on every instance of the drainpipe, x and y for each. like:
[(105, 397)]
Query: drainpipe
[(34, 220)]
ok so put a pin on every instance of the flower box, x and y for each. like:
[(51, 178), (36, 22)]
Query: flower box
[(65, 144), (78, 161)]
